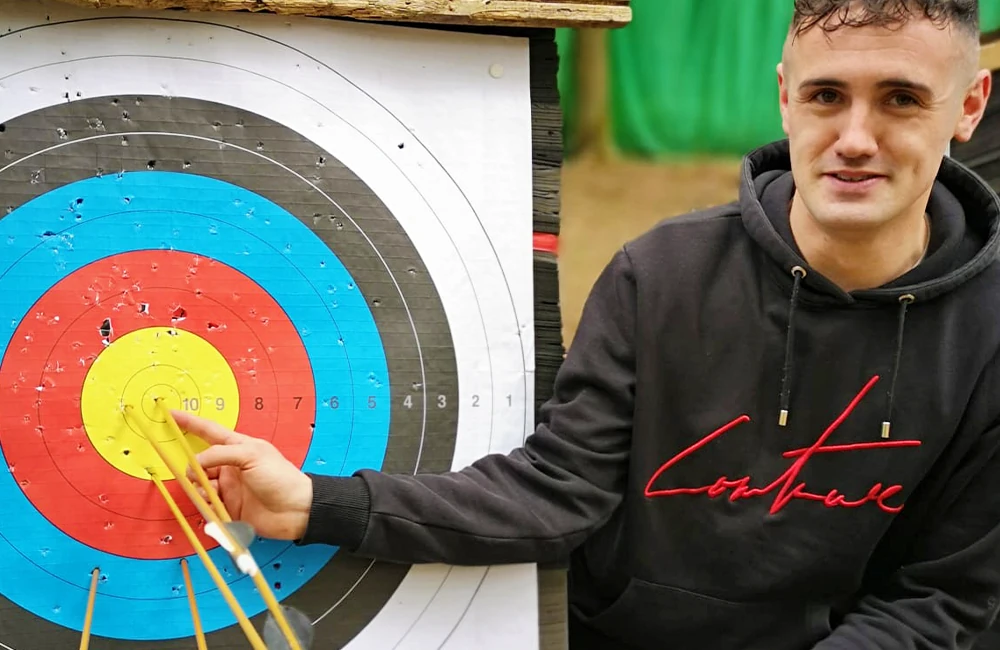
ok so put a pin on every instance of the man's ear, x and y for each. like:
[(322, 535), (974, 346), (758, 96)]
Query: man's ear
[(783, 97), (974, 105)]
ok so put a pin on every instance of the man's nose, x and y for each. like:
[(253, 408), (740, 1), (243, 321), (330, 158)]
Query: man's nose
[(858, 138)]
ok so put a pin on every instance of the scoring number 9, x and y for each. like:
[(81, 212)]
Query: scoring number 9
[(193, 404)]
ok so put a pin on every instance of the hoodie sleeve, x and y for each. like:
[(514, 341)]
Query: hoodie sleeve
[(534, 504), (946, 591)]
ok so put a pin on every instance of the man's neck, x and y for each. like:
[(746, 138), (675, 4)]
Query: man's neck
[(862, 262)]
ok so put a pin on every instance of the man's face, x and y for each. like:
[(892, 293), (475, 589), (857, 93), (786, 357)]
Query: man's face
[(869, 113)]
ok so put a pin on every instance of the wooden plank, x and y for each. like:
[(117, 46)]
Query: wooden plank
[(552, 614), (989, 56), (509, 13)]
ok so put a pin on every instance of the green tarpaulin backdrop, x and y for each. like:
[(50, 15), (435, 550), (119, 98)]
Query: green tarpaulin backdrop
[(696, 76)]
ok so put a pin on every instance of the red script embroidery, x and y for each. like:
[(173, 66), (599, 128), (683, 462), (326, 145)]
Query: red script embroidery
[(785, 486)]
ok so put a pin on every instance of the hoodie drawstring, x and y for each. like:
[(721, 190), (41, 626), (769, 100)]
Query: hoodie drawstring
[(786, 378), (786, 375), (904, 302)]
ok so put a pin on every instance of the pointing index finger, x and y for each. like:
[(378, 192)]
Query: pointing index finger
[(208, 430)]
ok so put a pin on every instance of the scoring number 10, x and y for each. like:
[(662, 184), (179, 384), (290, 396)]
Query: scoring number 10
[(194, 404)]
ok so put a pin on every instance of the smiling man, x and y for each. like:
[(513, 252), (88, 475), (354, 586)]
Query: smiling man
[(869, 110), (778, 426)]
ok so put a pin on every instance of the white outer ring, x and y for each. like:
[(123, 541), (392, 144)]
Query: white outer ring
[(432, 600)]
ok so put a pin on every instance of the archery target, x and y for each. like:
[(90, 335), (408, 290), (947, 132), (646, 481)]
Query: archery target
[(202, 211)]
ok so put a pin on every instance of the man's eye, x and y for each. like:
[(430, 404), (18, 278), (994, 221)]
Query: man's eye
[(826, 96), (904, 99)]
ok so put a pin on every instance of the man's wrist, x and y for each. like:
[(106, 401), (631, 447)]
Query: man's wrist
[(338, 512), (302, 505)]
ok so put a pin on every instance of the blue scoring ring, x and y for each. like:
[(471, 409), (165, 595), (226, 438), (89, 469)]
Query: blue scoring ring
[(53, 235)]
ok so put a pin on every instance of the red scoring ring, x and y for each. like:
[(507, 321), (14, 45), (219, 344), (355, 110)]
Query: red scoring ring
[(41, 432), (60, 402)]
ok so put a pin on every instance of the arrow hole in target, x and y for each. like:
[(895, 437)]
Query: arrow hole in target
[(106, 331)]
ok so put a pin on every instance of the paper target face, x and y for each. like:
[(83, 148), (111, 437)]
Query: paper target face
[(197, 213)]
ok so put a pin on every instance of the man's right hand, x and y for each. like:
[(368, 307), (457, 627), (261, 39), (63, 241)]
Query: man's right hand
[(257, 484)]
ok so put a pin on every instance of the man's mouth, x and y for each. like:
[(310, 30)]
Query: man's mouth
[(854, 178)]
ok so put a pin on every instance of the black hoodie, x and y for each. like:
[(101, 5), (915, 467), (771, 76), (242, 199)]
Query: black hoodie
[(692, 518)]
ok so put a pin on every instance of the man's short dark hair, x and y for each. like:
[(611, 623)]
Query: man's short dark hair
[(829, 15)]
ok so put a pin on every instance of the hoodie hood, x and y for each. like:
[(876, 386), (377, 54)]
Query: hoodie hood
[(965, 230), (964, 215)]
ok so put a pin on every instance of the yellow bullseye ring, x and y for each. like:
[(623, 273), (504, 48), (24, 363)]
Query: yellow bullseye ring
[(178, 366)]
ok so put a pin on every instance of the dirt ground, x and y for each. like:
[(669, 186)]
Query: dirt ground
[(607, 202)]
